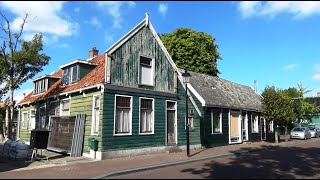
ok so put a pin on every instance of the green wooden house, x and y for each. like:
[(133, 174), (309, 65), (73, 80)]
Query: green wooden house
[(230, 112), (132, 95)]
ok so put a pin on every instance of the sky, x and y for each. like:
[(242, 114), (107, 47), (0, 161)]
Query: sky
[(275, 43)]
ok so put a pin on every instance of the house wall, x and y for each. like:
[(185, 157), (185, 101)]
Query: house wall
[(24, 134), (254, 136), (84, 69), (81, 103), (125, 63), (314, 119), (137, 141), (194, 134)]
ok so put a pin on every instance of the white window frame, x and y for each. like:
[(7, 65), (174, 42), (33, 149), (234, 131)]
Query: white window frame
[(35, 114), (93, 115), (191, 123), (69, 81), (69, 98), (24, 120), (271, 129), (114, 118), (254, 122), (45, 114), (152, 70), (152, 120), (220, 122)]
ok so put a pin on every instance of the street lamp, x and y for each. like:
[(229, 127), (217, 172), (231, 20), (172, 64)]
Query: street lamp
[(186, 79)]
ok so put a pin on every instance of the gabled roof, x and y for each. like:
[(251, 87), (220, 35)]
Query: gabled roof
[(77, 61), (218, 92), (93, 78), (132, 32)]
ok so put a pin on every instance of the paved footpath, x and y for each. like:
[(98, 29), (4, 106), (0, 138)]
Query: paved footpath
[(119, 166)]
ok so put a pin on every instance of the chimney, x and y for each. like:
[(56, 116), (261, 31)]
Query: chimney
[(255, 85), (93, 52)]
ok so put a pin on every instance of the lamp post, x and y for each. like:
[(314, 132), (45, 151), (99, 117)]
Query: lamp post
[(186, 79)]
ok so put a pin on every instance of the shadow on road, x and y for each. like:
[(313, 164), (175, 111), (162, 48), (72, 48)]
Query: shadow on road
[(264, 162)]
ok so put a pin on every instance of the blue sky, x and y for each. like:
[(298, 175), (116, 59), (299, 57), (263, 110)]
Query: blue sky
[(275, 43)]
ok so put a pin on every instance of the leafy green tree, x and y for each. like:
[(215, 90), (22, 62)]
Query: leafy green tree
[(191, 50), (292, 92), (277, 107), (19, 61)]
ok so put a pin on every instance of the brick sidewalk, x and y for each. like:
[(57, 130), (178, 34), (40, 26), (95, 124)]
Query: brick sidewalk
[(87, 169)]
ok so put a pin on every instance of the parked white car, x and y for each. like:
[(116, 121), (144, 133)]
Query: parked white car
[(315, 132), (300, 133)]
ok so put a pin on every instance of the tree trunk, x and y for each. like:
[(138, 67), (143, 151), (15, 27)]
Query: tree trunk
[(9, 116), (276, 137)]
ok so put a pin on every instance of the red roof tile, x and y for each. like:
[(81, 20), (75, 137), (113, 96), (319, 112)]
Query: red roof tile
[(94, 77)]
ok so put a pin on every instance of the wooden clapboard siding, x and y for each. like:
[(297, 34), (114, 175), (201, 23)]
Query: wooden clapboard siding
[(125, 63), (215, 139), (181, 107), (81, 103), (136, 140), (253, 136), (24, 133)]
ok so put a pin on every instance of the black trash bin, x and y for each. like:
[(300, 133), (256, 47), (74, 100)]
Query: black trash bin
[(39, 138)]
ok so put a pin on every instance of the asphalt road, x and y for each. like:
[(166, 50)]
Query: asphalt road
[(272, 162)]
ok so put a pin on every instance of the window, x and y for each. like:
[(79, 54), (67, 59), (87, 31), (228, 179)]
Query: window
[(70, 75), (65, 107), (146, 115), (216, 121), (271, 126), (123, 115), (190, 120), (32, 120), (146, 73), (95, 115), (254, 124), (24, 120), (40, 86), (42, 117), (54, 108)]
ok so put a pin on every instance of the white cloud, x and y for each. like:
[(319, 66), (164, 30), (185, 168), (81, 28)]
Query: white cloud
[(163, 8), (114, 9), (290, 67), (298, 9), (316, 77), (44, 18), (95, 22)]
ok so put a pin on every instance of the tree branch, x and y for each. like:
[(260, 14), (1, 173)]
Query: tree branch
[(20, 33)]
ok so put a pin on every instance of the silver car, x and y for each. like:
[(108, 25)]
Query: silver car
[(300, 133), (315, 132)]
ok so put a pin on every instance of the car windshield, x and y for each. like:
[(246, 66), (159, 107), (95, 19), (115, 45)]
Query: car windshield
[(298, 129), (312, 128)]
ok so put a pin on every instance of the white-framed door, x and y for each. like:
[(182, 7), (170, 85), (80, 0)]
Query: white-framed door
[(244, 126), (171, 123), (235, 131)]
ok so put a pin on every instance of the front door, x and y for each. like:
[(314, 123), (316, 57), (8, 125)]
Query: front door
[(171, 123), (244, 125), (235, 127)]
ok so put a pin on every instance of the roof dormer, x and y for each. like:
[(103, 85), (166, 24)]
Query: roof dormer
[(43, 83), (75, 70)]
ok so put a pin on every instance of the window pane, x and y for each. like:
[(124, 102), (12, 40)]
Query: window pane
[(122, 122), (66, 76), (145, 61), (74, 73), (146, 75), (171, 105)]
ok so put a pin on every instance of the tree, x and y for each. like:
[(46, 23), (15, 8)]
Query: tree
[(277, 107), (19, 61), (304, 108), (191, 50)]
